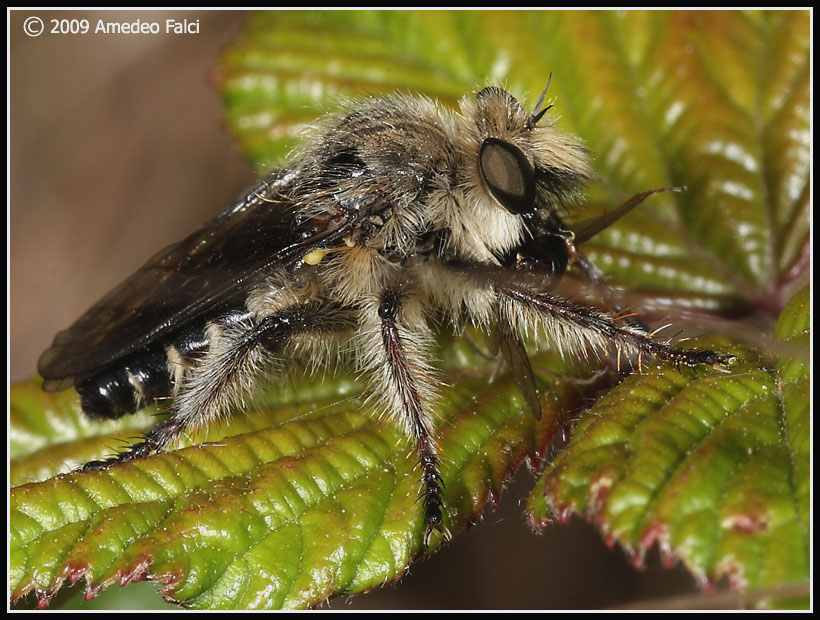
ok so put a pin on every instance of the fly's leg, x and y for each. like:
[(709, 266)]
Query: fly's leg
[(240, 354), (596, 278), (590, 271), (404, 378), (587, 267), (154, 440), (578, 328)]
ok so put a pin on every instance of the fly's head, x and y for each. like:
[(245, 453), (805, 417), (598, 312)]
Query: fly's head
[(517, 168)]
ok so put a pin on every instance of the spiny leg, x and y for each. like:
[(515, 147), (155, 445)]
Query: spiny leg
[(154, 440), (590, 271), (412, 412), (597, 279), (225, 375), (592, 228), (580, 326)]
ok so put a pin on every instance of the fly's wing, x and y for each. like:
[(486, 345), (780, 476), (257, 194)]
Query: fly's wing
[(501, 338), (215, 267)]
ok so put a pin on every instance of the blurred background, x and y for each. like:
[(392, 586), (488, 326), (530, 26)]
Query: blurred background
[(118, 148)]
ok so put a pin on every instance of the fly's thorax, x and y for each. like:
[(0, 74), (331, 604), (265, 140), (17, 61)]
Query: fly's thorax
[(376, 166), (459, 296), (401, 166), (398, 143), (349, 274)]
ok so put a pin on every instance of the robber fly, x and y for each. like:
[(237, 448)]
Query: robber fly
[(397, 211)]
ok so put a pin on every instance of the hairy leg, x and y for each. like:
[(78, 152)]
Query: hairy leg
[(239, 355), (577, 329), (405, 388)]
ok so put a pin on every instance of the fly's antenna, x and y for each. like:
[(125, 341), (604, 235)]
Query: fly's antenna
[(537, 113)]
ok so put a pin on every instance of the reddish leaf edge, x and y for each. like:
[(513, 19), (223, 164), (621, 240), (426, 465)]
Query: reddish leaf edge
[(140, 568), (655, 534)]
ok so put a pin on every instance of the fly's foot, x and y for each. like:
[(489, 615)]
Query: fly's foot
[(155, 439)]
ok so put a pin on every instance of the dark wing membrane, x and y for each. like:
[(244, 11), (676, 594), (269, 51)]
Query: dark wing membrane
[(501, 338), (213, 268)]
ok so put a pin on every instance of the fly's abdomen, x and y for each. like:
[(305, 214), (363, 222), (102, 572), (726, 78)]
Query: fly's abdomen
[(127, 386), (145, 377)]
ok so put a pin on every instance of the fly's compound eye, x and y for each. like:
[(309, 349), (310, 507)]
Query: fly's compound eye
[(509, 175)]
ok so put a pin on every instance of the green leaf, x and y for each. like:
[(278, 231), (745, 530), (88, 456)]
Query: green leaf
[(48, 433), (306, 497), (713, 468)]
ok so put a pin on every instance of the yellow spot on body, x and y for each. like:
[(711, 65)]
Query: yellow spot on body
[(315, 256)]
